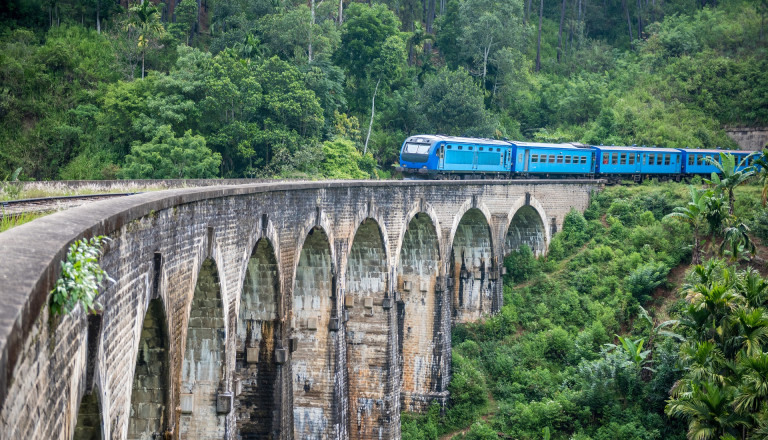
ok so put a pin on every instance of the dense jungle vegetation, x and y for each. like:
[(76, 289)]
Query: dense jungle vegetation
[(615, 335), (282, 88)]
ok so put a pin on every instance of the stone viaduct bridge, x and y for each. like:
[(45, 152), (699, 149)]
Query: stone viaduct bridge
[(312, 310)]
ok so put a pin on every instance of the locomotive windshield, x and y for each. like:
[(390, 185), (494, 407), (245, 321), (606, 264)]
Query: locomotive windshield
[(412, 148)]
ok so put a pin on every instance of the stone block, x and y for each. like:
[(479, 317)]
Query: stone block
[(334, 325), (238, 386), (368, 301), (407, 286), (224, 402), (252, 355), (187, 403), (349, 301), (281, 356), (386, 303), (311, 323), (293, 343)]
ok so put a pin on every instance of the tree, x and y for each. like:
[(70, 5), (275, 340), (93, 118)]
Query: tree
[(538, 41), (694, 214), (488, 25), (731, 177), (169, 157), (363, 35), (761, 164), (341, 160), (451, 103), (145, 18)]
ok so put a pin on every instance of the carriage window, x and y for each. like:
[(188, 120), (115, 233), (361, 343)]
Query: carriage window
[(583, 159), (450, 146), (567, 159), (699, 159), (559, 158), (623, 159), (631, 158), (614, 158), (534, 158), (481, 148), (605, 159), (690, 159), (651, 159), (460, 147), (551, 158), (470, 148), (659, 157), (666, 159), (498, 150)]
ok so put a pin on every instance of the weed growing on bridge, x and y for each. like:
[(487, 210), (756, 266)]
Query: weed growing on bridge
[(81, 277)]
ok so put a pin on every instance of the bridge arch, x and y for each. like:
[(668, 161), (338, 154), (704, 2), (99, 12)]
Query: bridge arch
[(90, 423), (203, 366), (421, 210), (368, 333), (257, 334), (526, 224), (149, 412), (419, 310), (471, 264), (313, 362)]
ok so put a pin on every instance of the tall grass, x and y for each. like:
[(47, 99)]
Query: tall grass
[(8, 221)]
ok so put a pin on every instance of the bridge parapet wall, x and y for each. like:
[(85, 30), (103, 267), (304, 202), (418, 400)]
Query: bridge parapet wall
[(159, 243)]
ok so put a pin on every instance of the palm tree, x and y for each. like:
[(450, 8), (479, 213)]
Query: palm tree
[(694, 213), (708, 407), (145, 18), (731, 178), (761, 162), (754, 384), (737, 238), (751, 327)]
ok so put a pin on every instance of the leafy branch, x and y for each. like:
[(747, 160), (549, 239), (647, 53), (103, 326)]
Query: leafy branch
[(81, 277)]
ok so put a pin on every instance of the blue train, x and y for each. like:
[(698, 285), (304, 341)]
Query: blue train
[(449, 157)]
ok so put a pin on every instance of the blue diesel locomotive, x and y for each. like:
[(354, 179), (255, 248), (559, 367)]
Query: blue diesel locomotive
[(450, 157)]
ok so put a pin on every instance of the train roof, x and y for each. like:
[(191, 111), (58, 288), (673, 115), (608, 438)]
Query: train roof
[(459, 139), (546, 145), (636, 149), (710, 150)]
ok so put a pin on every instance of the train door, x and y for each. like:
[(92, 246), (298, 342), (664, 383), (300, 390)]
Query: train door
[(527, 159), (507, 158), (474, 160), (592, 164), (441, 157), (637, 163)]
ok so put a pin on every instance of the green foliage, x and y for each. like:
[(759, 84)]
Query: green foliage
[(343, 161), (645, 278), (521, 264), (725, 324), (80, 279), (450, 103), (169, 157)]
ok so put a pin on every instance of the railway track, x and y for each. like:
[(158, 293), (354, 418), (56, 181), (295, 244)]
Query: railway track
[(48, 204)]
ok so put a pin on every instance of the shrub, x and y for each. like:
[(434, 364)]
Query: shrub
[(521, 264), (81, 277), (645, 278)]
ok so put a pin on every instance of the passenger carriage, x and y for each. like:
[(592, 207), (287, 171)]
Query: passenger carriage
[(552, 159), (695, 161), (636, 162)]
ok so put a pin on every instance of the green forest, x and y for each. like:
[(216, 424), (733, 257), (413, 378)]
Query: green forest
[(104, 89)]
